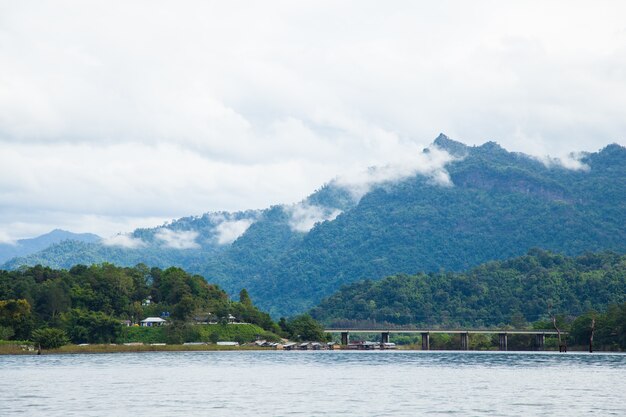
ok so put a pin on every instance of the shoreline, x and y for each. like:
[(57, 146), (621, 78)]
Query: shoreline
[(17, 349), (97, 349)]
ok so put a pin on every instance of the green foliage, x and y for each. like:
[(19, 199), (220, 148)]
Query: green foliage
[(182, 333), (305, 328), (244, 297), (50, 338), (610, 328), (6, 332), (16, 315), (241, 333), (501, 204), (443, 342), (513, 292), (90, 327), (90, 302), (146, 335)]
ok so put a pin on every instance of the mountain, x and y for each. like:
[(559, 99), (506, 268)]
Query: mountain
[(25, 247), (526, 288), (481, 203), (501, 204)]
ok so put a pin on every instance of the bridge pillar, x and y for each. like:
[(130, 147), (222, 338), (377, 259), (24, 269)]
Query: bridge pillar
[(540, 340), (464, 341), (345, 338), (503, 341), (425, 341), (384, 337)]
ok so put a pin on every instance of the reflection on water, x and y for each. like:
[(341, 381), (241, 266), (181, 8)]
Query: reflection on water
[(314, 383)]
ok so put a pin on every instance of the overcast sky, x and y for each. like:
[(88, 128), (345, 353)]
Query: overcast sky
[(118, 114)]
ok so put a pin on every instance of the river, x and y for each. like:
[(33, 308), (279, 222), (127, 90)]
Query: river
[(258, 383)]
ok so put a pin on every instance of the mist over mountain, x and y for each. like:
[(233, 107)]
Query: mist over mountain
[(451, 207)]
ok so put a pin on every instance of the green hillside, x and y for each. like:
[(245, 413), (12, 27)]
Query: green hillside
[(499, 205), (523, 289), (88, 303)]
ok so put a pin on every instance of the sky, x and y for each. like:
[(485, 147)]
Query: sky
[(116, 114)]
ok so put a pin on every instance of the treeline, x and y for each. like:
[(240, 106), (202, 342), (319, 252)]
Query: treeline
[(516, 292), (88, 304), (604, 331)]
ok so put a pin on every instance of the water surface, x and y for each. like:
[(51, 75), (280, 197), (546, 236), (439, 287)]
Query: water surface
[(314, 383)]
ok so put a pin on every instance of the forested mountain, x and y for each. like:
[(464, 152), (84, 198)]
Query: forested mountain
[(497, 205), (524, 289), (24, 247), (501, 205)]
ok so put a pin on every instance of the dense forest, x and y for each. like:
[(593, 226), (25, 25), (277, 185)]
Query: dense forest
[(500, 205), (89, 305), (516, 292)]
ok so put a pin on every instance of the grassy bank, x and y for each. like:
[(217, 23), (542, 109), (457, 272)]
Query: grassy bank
[(16, 349), (207, 333), (161, 338)]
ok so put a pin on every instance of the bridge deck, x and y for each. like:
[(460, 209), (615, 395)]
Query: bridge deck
[(456, 331)]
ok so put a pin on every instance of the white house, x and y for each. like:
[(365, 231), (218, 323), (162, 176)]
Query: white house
[(152, 321)]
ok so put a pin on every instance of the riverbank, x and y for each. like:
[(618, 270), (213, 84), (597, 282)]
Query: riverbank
[(25, 348)]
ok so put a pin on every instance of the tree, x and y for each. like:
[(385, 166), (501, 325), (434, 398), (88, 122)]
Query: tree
[(17, 315), (50, 338), (244, 298), (184, 308), (304, 327), (91, 326), (6, 332)]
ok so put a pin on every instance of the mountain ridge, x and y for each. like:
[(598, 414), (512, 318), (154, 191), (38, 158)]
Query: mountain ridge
[(24, 247), (497, 205)]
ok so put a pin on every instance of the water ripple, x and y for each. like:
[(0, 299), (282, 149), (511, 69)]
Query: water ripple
[(343, 383)]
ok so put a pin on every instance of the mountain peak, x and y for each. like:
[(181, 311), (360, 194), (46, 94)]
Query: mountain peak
[(453, 147), (491, 147), (25, 247)]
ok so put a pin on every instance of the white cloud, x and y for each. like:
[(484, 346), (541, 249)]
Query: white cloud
[(177, 239), (6, 238), (303, 216), (126, 112), (229, 230), (430, 164), (124, 240), (569, 161)]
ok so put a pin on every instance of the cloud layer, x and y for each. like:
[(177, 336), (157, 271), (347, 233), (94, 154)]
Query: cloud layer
[(129, 114), (177, 239), (124, 240), (229, 230), (303, 216)]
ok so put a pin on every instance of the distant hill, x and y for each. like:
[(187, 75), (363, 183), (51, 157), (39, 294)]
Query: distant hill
[(502, 292), (25, 247), (496, 205)]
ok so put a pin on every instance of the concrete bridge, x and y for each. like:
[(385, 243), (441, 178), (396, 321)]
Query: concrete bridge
[(539, 341)]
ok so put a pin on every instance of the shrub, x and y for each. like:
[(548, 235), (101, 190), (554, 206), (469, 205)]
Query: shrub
[(6, 332), (50, 338)]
